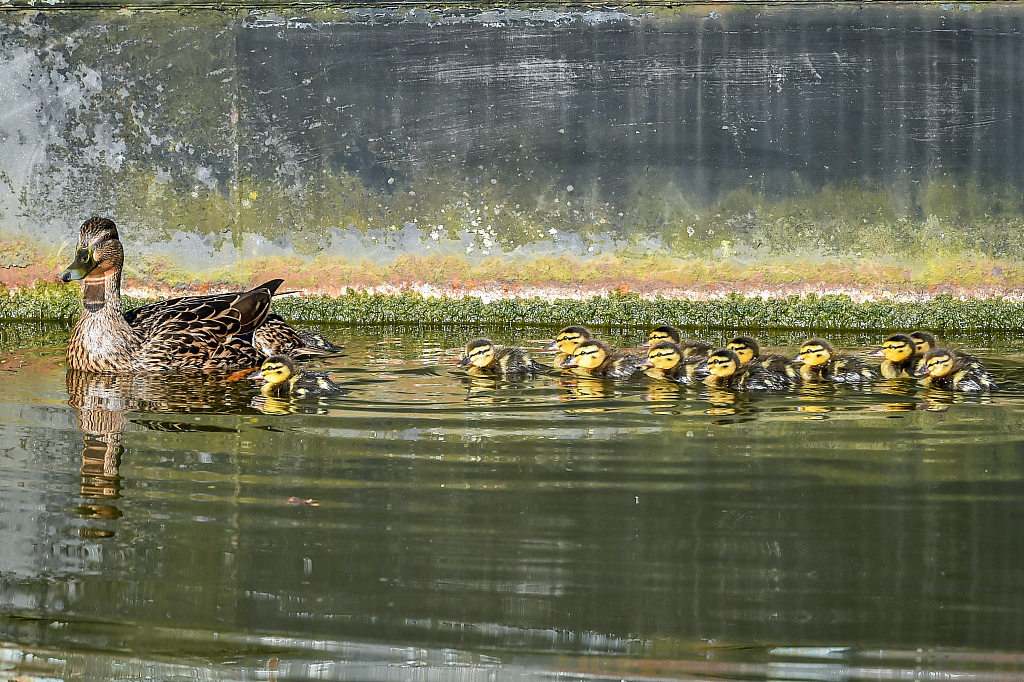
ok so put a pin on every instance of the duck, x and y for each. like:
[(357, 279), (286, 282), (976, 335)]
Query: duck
[(665, 360), (925, 342), (749, 351), (901, 357), (482, 356), (566, 341), (212, 332), (595, 358), (726, 370), (282, 381), (822, 363), (943, 369), (669, 333)]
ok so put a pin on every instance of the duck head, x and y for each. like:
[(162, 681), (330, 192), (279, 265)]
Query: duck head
[(570, 337), (923, 341), (277, 369), (723, 363), (662, 333), (937, 363), (99, 250), (479, 353), (588, 355), (814, 352), (663, 355), (897, 348), (745, 347)]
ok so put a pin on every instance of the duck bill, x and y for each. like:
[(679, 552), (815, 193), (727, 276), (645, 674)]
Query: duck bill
[(876, 354), (569, 363), (920, 372), (551, 347), (797, 360), (83, 264), (463, 362), (646, 363)]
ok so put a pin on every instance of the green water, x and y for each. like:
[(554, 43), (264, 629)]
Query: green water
[(432, 526)]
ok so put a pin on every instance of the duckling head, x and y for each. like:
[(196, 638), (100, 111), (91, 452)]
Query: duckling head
[(937, 363), (723, 363), (923, 341), (897, 348), (277, 369), (662, 333), (663, 355), (99, 249), (745, 347), (479, 353), (588, 355), (570, 337), (814, 352)]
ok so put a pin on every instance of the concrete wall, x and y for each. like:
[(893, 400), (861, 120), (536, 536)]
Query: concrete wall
[(873, 146)]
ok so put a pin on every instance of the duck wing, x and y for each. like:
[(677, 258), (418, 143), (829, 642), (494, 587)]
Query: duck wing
[(221, 314)]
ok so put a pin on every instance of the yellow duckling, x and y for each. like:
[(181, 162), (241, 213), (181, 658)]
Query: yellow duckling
[(925, 341), (726, 371), (822, 363), (566, 342), (665, 360), (595, 358), (483, 357), (943, 369), (901, 356), (669, 333), (282, 381), (748, 351)]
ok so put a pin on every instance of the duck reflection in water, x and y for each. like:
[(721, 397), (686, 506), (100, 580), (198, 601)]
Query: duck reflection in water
[(104, 403)]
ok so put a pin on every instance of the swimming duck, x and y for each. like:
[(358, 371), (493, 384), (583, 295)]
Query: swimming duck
[(668, 333), (666, 361), (822, 363), (943, 369), (925, 341), (748, 351), (566, 342), (483, 357), (284, 382), (193, 332), (901, 356), (595, 358), (725, 370)]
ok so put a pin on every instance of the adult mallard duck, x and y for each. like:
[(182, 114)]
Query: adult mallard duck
[(822, 363), (725, 370), (282, 381), (749, 352), (566, 341), (193, 332), (669, 333), (595, 358), (941, 368), (665, 360), (484, 357)]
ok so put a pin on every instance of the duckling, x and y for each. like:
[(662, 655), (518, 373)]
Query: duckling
[(595, 358), (822, 363), (484, 357), (749, 352), (284, 382), (925, 341), (566, 342), (665, 360), (668, 333), (943, 369), (725, 370), (901, 358)]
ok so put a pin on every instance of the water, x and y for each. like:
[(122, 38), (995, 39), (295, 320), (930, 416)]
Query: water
[(432, 526)]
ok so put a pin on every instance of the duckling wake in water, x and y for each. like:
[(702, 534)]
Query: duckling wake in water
[(282, 381), (726, 371), (669, 333), (822, 363), (595, 358), (942, 369), (566, 341), (484, 357), (665, 360), (749, 352)]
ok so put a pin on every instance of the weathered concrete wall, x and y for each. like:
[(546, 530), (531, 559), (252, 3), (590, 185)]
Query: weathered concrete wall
[(730, 146)]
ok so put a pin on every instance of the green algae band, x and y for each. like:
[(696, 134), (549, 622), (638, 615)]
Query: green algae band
[(832, 312)]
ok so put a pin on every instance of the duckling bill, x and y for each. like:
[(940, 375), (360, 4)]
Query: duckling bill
[(484, 357)]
